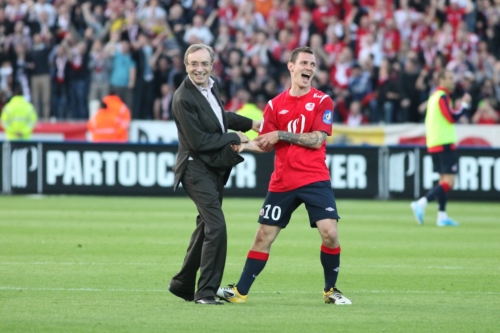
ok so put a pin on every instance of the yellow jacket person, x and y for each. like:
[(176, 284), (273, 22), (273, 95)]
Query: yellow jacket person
[(18, 117)]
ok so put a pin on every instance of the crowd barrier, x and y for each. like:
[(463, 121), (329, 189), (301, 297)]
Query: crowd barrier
[(146, 169)]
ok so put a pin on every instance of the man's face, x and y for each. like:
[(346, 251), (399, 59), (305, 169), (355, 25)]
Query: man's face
[(448, 81), (199, 67), (302, 71)]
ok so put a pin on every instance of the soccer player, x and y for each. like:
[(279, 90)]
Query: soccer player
[(441, 139), (296, 124)]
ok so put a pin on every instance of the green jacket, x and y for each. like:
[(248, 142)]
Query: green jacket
[(18, 119)]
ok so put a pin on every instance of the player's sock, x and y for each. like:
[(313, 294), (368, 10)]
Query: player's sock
[(442, 197), (422, 202), (330, 259), (256, 261), (442, 215), (436, 191)]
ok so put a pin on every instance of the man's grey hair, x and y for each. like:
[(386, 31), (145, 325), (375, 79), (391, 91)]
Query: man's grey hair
[(196, 47)]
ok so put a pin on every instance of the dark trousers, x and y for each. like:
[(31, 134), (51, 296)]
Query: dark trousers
[(208, 246)]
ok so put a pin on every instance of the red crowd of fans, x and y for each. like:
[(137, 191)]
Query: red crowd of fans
[(378, 59)]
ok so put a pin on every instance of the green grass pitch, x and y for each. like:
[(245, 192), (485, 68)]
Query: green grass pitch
[(102, 264)]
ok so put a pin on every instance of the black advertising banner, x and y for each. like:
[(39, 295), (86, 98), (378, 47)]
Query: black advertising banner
[(116, 169), (111, 169), (24, 167), (354, 172), (147, 169), (402, 172), (478, 176)]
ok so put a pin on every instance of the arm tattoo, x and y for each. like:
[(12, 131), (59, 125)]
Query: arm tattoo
[(314, 139)]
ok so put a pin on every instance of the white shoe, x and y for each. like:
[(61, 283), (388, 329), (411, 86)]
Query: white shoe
[(335, 296)]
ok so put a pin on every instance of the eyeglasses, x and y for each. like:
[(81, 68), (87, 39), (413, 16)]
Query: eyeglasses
[(203, 64)]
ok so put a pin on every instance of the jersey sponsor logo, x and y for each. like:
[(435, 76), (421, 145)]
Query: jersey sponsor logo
[(310, 106), (328, 117), (283, 112), (317, 95), (293, 125), (330, 209)]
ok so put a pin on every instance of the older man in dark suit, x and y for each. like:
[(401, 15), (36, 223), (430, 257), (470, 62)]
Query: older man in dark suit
[(207, 152)]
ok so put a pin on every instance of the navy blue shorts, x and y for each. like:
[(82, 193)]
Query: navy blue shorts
[(445, 162), (318, 198)]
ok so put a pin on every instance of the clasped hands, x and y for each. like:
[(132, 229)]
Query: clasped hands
[(264, 143)]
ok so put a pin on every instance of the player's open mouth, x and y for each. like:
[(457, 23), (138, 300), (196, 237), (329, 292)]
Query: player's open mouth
[(305, 77), (199, 75)]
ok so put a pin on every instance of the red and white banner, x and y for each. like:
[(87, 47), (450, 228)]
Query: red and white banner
[(58, 131)]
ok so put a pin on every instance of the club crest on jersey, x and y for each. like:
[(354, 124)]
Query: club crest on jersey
[(328, 117), (283, 112), (310, 106)]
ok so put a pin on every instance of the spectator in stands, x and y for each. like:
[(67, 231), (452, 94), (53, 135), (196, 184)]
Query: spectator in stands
[(40, 75), (354, 117), (198, 33), (390, 95), (163, 104), (410, 96), (487, 112), (79, 78), (100, 68), (60, 83), (144, 87), (123, 71), (18, 116)]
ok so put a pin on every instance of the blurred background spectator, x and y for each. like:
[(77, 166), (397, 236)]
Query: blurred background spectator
[(381, 55)]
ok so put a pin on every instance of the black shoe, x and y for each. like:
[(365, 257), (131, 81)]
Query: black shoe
[(185, 296), (208, 301)]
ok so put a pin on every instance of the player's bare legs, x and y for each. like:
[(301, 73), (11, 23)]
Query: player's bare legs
[(328, 230), (266, 234), (330, 259)]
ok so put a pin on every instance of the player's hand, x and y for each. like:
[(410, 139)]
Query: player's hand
[(267, 141), (256, 125), (466, 98), (238, 148), (243, 137)]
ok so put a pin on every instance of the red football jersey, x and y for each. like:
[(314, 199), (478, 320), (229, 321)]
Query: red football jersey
[(294, 165)]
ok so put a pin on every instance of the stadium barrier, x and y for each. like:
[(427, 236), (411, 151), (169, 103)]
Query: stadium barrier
[(146, 169)]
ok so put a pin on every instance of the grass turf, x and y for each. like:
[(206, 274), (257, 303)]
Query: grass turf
[(102, 264)]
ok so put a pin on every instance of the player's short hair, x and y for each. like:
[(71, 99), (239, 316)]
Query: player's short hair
[(196, 47), (295, 53), (442, 74)]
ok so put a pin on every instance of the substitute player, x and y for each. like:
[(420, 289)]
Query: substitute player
[(441, 139), (296, 123)]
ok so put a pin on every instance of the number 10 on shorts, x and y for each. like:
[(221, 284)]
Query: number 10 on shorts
[(275, 212)]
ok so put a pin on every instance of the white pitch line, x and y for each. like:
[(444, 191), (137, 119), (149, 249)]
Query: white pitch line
[(234, 264), (260, 292)]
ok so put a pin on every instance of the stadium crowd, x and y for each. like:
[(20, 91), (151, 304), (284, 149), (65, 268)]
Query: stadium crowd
[(378, 59)]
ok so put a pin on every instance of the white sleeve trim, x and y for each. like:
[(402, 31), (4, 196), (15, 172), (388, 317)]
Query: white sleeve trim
[(322, 98), (271, 105)]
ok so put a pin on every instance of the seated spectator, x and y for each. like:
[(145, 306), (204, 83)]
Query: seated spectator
[(354, 117), (486, 113)]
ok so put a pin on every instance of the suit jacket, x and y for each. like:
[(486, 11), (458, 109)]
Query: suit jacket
[(200, 133)]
